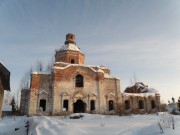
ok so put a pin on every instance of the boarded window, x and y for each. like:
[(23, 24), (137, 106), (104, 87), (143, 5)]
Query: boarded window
[(141, 104), (127, 105), (79, 81), (111, 105), (92, 105), (65, 104)]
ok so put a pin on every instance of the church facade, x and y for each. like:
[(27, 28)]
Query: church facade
[(73, 86)]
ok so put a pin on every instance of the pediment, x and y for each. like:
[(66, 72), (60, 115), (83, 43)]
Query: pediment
[(78, 95), (43, 92), (110, 95)]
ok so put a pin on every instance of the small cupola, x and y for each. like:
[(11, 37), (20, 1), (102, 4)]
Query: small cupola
[(70, 38)]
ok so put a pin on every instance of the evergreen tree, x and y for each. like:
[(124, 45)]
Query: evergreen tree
[(13, 104)]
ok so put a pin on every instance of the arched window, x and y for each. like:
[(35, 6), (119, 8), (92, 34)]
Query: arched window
[(65, 104), (92, 105), (111, 105), (153, 105), (79, 81), (141, 104), (127, 105)]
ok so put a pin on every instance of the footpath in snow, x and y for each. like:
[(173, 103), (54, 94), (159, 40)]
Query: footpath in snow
[(90, 124)]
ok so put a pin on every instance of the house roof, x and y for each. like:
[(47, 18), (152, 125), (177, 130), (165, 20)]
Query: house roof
[(5, 77)]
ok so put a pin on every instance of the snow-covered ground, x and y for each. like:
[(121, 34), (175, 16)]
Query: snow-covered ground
[(90, 125)]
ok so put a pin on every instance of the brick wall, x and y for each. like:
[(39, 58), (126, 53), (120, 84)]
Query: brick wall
[(94, 83), (134, 104), (41, 88), (68, 55), (64, 82), (24, 101)]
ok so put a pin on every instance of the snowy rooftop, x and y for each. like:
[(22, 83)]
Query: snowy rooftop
[(81, 65), (41, 72), (70, 46), (84, 65), (139, 94), (92, 67), (143, 88)]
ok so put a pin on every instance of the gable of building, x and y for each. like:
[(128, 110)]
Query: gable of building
[(5, 77)]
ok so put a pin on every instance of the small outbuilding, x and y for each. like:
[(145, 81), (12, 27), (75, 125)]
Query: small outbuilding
[(4, 83)]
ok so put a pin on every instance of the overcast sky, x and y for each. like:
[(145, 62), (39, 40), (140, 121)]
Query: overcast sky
[(140, 37)]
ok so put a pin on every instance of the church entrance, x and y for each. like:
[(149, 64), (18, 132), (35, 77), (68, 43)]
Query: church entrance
[(79, 106)]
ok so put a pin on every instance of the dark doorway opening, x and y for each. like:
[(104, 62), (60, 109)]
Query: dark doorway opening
[(127, 105), (43, 104), (111, 105), (153, 105), (92, 105), (141, 104), (79, 106), (72, 61), (65, 104)]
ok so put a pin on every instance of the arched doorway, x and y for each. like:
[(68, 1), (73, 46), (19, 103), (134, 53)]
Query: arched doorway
[(79, 106)]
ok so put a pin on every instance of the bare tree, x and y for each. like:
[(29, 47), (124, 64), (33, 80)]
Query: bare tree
[(50, 64), (25, 80), (133, 80), (39, 65)]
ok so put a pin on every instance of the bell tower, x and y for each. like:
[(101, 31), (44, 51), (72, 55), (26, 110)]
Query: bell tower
[(69, 52)]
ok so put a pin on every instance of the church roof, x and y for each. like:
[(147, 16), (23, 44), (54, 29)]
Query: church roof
[(140, 87), (71, 47), (92, 67)]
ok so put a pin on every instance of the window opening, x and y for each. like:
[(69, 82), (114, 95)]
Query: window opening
[(111, 105), (141, 104), (92, 105), (153, 105), (79, 81), (72, 61), (127, 105), (65, 104), (43, 104)]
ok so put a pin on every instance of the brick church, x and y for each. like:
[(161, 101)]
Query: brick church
[(73, 87)]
